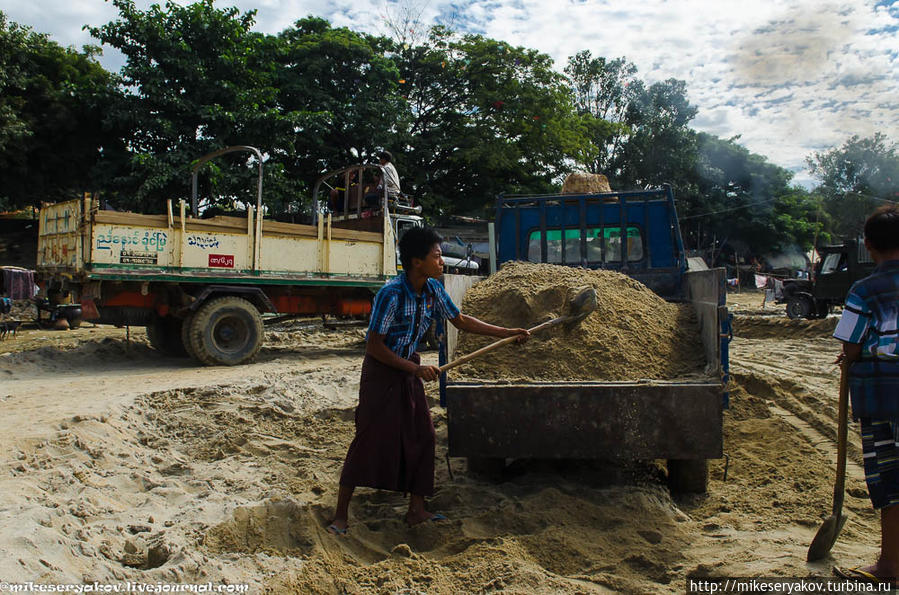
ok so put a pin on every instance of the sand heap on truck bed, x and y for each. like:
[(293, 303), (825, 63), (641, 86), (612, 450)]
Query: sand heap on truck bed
[(632, 335)]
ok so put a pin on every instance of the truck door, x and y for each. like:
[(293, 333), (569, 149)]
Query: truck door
[(834, 277), (400, 226)]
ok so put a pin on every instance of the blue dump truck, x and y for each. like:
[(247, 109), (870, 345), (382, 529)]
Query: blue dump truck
[(681, 421)]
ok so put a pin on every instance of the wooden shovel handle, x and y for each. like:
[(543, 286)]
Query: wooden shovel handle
[(842, 438), (470, 356)]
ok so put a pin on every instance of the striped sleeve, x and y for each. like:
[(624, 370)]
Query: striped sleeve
[(444, 303), (383, 311), (855, 321)]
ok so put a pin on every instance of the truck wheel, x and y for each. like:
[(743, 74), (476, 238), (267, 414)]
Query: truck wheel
[(226, 331), (185, 336), (164, 333), (798, 307), (822, 309), (490, 468), (688, 476)]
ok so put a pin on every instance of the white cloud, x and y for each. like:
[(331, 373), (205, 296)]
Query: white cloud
[(790, 76)]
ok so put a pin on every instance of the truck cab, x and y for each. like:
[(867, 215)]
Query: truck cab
[(840, 266)]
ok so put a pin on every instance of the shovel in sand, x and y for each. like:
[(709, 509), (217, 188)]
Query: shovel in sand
[(580, 306), (830, 529)]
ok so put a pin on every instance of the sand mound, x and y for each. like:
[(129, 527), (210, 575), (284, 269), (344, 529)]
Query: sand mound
[(633, 333), (232, 477), (767, 327)]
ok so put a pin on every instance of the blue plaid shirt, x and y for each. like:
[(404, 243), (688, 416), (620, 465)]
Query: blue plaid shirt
[(871, 319), (404, 317)]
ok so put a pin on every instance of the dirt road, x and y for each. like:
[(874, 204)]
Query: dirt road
[(121, 464)]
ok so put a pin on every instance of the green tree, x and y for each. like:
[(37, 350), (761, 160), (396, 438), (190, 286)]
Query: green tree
[(483, 117), (661, 146), (856, 178), (51, 101), (745, 203), (196, 79), (342, 88), (603, 91)]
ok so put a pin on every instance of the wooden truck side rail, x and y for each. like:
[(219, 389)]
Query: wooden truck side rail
[(76, 239)]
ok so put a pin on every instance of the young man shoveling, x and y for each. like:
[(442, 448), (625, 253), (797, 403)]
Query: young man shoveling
[(868, 330), (394, 444)]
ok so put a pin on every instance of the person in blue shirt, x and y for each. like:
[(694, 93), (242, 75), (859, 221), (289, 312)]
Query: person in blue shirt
[(868, 330), (393, 448)]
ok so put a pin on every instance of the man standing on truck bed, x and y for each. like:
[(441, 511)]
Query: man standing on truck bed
[(391, 180), (867, 329), (394, 444)]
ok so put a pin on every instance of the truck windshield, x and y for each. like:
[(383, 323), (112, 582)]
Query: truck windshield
[(594, 236), (835, 261)]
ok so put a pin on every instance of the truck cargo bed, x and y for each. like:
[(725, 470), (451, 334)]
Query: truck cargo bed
[(679, 419), (585, 420)]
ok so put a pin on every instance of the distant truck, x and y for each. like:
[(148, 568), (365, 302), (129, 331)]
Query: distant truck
[(680, 420), (201, 286), (840, 266)]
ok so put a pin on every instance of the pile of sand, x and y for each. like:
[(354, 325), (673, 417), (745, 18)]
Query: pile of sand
[(633, 334), (230, 474)]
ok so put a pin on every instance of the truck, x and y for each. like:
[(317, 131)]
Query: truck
[(681, 420), (201, 286), (840, 266)]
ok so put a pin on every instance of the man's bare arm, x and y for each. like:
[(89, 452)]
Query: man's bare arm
[(470, 324), (851, 352), (376, 348)]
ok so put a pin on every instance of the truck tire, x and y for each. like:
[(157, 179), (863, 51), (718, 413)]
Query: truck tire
[(822, 309), (226, 331), (688, 476), (799, 306), (185, 337), (489, 468), (164, 333)]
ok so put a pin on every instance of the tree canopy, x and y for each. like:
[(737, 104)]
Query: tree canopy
[(51, 113), (856, 178), (196, 79), (465, 116), (482, 117)]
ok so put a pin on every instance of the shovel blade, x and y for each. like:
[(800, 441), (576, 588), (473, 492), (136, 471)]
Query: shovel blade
[(583, 303), (825, 537)]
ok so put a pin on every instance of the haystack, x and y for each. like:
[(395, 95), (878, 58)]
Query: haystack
[(581, 182)]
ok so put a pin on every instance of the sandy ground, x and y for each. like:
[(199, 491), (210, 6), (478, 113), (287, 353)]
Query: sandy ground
[(122, 464)]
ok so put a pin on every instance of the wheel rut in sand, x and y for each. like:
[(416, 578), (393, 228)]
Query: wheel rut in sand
[(811, 415), (823, 444)]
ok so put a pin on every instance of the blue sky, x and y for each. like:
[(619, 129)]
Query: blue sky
[(790, 76)]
